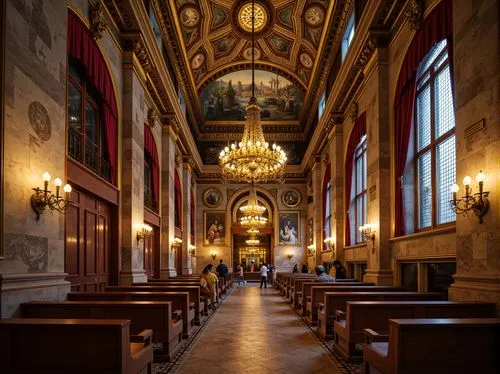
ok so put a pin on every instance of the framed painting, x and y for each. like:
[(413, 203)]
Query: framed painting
[(212, 197), (310, 231), (289, 228), (214, 228)]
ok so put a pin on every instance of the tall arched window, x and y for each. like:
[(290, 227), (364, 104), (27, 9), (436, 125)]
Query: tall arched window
[(92, 109), (177, 201), (151, 171), (434, 145), (424, 142), (327, 204), (359, 203)]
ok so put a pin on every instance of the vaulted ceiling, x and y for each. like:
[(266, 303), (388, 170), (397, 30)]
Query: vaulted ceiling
[(214, 42)]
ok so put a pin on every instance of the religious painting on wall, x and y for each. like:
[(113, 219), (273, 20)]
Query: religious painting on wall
[(212, 197), (227, 97), (289, 228), (291, 198), (215, 230), (310, 231)]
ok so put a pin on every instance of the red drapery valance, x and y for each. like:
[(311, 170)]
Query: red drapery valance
[(326, 179), (150, 147), (82, 47), (178, 198), (358, 131), (437, 26)]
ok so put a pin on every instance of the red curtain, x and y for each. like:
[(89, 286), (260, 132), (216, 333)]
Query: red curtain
[(82, 47), (150, 147), (326, 179), (358, 131), (436, 27), (178, 198)]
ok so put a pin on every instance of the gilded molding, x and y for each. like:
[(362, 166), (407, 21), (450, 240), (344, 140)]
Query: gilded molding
[(415, 14), (152, 117), (352, 111), (98, 22)]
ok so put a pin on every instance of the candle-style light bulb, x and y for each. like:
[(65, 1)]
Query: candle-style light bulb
[(467, 180), (454, 188), (67, 189), (480, 177), (46, 177), (58, 182)]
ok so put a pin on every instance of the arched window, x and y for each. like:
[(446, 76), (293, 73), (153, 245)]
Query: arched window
[(355, 181), (151, 171), (424, 147), (92, 109), (177, 201), (359, 203), (434, 144), (327, 204)]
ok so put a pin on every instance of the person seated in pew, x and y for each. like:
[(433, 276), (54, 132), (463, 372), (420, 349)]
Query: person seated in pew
[(340, 272), (304, 270), (295, 269), (321, 276), (222, 269), (211, 280)]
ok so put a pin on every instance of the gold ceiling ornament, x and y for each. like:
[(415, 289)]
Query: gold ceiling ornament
[(253, 240), (253, 232), (252, 160), (259, 15)]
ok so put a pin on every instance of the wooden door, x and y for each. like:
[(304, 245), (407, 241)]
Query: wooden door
[(149, 254), (88, 243)]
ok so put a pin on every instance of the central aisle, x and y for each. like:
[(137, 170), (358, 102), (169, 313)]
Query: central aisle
[(256, 331)]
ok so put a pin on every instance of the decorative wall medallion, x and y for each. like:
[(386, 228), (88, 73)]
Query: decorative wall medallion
[(291, 198), (190, 17), (245, 17), (197, 61), (40, 120), (247, 54), (306, 60), (212, 197), (315, 15)]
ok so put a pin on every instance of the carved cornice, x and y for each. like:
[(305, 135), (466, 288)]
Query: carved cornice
[(352, 111), (98, 22), (152, 117), (415, 14), (236, 136)]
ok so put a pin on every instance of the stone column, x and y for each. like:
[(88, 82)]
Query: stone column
[(336, 147), (476, 77), (167, 167), (378, 163), (132, 178), (316, 176), (186, 217)]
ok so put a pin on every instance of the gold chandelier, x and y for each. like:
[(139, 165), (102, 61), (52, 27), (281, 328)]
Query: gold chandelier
[(252, 160), (253, 240), (252, 214)]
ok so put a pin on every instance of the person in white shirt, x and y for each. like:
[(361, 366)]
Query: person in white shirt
[(263, 276)]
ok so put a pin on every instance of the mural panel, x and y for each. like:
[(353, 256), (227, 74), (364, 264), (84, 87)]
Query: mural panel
[(226, 97)]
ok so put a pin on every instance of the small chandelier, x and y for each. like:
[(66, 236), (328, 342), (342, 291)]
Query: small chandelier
[(253, 240), (253, 222), (252, 160), (252, 214)]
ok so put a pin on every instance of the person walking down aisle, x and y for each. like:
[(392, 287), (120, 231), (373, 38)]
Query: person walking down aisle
[(222, 269), (241, 278), (263, 276), (211, 280)]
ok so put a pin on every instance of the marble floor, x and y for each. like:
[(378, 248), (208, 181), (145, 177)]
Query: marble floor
[(256, 331)]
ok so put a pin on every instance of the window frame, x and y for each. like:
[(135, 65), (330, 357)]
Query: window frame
[(360, 153), (346, 38), (432, 73), (85, 87)]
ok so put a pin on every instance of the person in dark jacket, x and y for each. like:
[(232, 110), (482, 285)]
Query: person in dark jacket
[(222, 269), (340, 272), (304, 269)]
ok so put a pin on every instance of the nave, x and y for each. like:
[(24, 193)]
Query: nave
[(254, 331)]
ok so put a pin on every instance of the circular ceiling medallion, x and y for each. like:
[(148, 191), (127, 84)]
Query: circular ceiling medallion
[(245, 17), (306, 60), (247, 53), (190, 17), (315, 15), (197, 60)]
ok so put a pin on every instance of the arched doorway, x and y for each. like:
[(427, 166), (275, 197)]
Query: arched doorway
[(252, 257)]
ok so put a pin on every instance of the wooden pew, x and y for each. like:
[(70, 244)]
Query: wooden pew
[(180, 300), (360, 315), (291, 282), (296, 297), (76, 346), (305, 294), (432, 346), (185, 281), (318, 293), (193, 289), (158, 316), (333, 301)]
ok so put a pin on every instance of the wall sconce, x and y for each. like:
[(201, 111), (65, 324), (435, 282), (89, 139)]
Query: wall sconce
[(192, 250), (290, 255), (213, 254), (45, 198), (311, 250), (330, 243), (367, 232), (176, 243), (477, 202), (144, 232)]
